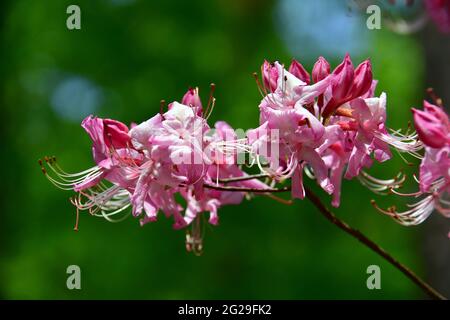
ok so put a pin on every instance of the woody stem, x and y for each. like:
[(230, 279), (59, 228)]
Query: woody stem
[(433, 293), (242, 189), (330, 216), (244, 178)]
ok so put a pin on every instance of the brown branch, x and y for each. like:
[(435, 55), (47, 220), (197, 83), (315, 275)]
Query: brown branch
[(242, 189), (433, 293), (244, 178)]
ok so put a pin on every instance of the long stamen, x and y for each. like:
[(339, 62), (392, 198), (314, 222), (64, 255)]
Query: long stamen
[(64, 180), (109, 202), (417, 214), (262, 89), (77, 219), (213, 104), (421, 209), (211, 101), (406, 161), (403, 143), (412, 194), (379, 185), (194, 237), (51, 162), (162, 106)]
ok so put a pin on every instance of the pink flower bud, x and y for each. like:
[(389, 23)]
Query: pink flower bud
[(349, 84), (363, 79), (342, 85), (192, 99), (320, 70), (270, 75), (343, 82), (432, 125), (297, 70)]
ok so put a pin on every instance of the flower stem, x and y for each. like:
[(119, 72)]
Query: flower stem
[(242, 189), (330, 216), (244, 178)]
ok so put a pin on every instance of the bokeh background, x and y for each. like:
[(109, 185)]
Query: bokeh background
[(130, 54)]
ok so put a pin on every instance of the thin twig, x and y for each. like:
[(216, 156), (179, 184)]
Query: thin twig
[(242, 189), (244, 178), (433, 293)]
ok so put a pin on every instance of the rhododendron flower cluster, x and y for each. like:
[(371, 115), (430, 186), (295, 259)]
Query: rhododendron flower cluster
[(327, 125), (334, 127)]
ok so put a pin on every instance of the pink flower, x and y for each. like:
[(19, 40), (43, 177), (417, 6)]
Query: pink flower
[(336, 157), (300, 132), (270, 75), (192, 99), (329, 126), (435, 167), (290, 90), (343, 141), (348, 84), (106, 134), (223, 166), (116, 160), (147, 165), (320, 70), (111, 149), (173, 147), (439, 11), (369, 122), (432, 125), (334, 127), (299, 71)]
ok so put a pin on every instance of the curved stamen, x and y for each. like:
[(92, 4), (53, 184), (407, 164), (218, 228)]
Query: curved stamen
[(417, 214), (379, 185), (403, 143)]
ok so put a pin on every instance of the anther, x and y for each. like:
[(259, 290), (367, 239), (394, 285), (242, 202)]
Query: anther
[(188, 241), (44, 171), (211, 101), (162, 105), (437, 100)]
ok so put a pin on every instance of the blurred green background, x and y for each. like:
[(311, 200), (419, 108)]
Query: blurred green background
[(130, 54)]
